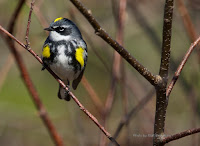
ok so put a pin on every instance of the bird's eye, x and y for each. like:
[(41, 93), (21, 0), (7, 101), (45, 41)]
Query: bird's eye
[(61, 28)]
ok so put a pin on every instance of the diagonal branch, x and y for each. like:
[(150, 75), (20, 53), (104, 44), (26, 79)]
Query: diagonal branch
[(108, 135), (125, 120), (25, 76), (180, 67), (122, 51), (187, 23), (15, 15), (180, 135), (186, 20)]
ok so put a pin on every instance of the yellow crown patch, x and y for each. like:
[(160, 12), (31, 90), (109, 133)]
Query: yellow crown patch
[(57, 19)]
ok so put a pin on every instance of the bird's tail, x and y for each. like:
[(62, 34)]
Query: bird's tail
[(63, 94)]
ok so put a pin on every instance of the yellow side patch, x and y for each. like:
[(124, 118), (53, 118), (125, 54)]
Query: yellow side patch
[(57, 19), (79, 56), (46, 52)]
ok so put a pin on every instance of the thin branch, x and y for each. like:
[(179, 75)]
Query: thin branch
[(122, 51), (29, 22), (117, 63), (187, 23), (161, 107), (64, 86), (125, 120), (180, 67), (180, 135), (39, 15), (120, 38), (15, 15), (186, 20)]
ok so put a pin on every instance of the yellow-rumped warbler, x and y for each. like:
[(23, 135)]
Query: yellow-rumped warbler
[(65, 52)]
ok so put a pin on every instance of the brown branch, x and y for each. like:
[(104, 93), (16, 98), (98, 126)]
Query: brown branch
[(15, 15), (64, 86), (187, 23), (180, 135), (122, 51), (117, 62), (186, 20), (39, 15), (25, 76), (161, 107), (120, 39), (180, 67), (125, 120), (29, 22)]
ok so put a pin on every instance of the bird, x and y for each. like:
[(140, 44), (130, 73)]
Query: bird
[(65, 53)]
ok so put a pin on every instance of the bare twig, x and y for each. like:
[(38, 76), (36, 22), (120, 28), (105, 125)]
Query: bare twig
[(120, 39), (117, 61), (15, 15), (125, 120), (180, 67), (29, 22), (186, 20), (64, 86), (38, 14), (187, 23), (122, 51), (122, 71), (180, 135), (161, 107)]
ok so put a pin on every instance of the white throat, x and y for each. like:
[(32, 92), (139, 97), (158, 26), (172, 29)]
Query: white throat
[(54, 36)]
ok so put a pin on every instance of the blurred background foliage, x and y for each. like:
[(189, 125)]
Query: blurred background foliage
[(20, 124)]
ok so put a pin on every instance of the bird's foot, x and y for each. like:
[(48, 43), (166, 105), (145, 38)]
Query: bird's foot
[(67, 96)]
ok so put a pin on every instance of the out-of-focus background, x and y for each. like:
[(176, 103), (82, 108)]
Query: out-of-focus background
[(20, 124)]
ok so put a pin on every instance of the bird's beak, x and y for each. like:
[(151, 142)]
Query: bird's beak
[(49, 29)]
